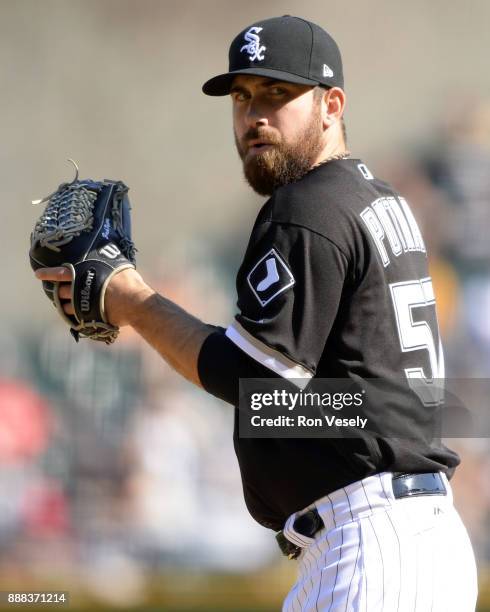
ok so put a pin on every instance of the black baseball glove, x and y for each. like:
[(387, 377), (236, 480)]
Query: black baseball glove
[(86, 227)]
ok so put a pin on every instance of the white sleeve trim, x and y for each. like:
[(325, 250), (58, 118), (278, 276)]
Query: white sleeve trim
[(268, 357)]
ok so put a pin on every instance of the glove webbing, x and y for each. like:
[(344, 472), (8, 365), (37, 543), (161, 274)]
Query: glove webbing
[(68, 213)]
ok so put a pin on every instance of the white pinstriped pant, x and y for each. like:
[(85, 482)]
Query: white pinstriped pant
[(381, 554)]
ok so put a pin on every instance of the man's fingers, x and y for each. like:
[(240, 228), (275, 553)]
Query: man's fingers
[(63, 276), (68, 308), (64, 291), (60, 274)]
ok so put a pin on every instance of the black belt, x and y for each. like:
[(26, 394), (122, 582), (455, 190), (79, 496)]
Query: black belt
[(404, 485)]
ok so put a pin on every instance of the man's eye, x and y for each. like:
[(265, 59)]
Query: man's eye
[(239, 96), (277, 91)]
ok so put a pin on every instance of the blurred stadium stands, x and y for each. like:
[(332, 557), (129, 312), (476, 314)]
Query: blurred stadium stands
[(118, 480)]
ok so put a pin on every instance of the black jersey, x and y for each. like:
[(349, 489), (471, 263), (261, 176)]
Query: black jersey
[(334, 284)]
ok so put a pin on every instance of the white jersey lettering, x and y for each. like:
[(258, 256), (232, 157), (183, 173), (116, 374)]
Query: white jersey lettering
[(390, 221)]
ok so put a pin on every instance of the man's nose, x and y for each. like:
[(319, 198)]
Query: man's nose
[(255, 116)]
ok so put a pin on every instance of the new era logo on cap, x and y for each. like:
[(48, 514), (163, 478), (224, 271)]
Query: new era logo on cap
[(327, 71)]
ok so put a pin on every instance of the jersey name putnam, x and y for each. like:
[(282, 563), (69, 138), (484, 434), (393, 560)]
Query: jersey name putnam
[(391, 223)]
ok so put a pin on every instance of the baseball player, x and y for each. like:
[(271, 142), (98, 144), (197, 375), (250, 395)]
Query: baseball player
[(333, 284)]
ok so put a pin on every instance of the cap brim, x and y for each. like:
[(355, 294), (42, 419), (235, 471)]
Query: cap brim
[(220, 85)]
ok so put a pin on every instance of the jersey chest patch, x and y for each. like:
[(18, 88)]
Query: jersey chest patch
[(270, 277)]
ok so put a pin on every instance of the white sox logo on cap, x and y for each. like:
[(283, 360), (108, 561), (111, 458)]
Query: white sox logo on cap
[(253, 47)]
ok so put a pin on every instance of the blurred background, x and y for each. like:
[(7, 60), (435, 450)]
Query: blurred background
[(118, 480)]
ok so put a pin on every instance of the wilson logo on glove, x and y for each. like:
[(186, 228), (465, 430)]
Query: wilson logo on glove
[(110, 250), (85, 292)]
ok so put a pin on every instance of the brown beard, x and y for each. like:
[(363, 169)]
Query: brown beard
[(284, 162)]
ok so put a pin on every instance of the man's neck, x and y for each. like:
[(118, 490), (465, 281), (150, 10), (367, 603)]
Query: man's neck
[(331, 150)]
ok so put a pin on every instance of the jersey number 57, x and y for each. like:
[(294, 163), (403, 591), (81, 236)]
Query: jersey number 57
[(414, 305)]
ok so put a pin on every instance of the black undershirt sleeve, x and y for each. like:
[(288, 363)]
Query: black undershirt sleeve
[(221, 364)]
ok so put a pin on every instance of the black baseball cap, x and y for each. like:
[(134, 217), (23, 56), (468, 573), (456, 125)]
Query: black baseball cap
[(285, 48)]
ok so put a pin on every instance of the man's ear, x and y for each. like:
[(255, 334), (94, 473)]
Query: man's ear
[(333, 106)]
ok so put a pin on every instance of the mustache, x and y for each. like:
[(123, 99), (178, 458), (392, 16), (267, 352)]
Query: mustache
[(261, 134)]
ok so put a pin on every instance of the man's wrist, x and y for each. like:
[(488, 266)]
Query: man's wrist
[(125, 297)]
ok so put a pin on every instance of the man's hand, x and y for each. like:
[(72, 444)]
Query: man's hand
[(170, 330), (126, 289)]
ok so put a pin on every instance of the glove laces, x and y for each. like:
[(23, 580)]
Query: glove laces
[(68, 213)]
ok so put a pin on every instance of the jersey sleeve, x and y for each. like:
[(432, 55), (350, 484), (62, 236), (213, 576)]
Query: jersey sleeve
[(289, 289)]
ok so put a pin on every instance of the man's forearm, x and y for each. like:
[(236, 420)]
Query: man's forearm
[(128, 300), (170, 330)]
